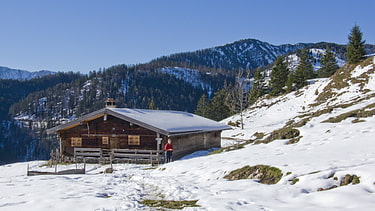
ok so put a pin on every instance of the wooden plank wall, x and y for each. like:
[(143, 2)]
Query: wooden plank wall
[(186, 144), (115, 129)]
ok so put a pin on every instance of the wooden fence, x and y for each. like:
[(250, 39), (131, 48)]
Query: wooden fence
[(88, 154), (137, 156), (119, 155), (56, 172)]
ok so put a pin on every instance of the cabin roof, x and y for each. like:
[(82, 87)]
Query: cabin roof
[(165, 122)]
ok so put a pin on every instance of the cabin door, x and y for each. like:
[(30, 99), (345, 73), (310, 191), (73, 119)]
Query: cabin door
[(113, 143)]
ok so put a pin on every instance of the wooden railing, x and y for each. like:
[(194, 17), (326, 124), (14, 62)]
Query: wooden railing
[(137, 155), (119, 155), (88, 153)]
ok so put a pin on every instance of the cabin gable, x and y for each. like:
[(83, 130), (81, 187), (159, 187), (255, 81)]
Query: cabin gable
[(107, 133)]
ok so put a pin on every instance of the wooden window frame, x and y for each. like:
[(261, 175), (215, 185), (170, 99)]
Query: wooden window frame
[(134, 140), (105, 140), (76, 141)]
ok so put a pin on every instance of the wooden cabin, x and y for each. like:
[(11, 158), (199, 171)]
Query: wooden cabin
[(138, 129)]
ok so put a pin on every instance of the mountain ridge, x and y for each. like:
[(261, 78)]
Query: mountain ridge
[(248, 54), (22, 75), (244, 54)]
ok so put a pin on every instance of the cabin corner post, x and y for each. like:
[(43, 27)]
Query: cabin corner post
[(158, 143), (61, 144)]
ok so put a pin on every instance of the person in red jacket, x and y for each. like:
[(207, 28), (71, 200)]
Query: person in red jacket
[(168, 148)]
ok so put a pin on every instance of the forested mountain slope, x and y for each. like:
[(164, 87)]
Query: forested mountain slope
[(11, 91), (132, 87)]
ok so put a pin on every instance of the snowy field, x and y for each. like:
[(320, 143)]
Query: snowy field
[(325, 149)]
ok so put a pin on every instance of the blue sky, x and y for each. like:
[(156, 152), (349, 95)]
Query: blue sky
[(85, 35)]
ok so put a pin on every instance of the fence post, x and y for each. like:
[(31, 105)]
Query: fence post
[(158, 142), (151, 157), (110, 158)]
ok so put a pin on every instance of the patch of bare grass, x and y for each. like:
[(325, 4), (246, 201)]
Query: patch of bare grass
[(265, 174)]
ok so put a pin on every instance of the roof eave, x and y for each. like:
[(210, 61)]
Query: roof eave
[(76, 121), (197, 131)]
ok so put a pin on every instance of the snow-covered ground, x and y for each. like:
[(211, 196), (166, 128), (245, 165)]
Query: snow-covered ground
[(325, 149)]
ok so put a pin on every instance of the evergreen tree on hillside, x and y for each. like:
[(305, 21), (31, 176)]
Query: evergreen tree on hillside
[(279, 76), (329, 64), (152, 105), (202, 106), (290, 82), (304, 70), (355, 49), (217, 110), (299, 78), (258, 87)]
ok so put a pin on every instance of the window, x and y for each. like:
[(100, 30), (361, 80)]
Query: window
[(76, 142), (105, 140), (134, 140)]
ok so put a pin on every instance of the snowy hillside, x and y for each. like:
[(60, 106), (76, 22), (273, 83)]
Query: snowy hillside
[(191, 76), (317, 54), (7, 73), (335, 121), (342, 92)]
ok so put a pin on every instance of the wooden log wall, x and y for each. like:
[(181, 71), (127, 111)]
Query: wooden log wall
[(112, 133)]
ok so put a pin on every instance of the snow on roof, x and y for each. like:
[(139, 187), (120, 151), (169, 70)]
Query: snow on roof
[(169, 122), (165, 122)]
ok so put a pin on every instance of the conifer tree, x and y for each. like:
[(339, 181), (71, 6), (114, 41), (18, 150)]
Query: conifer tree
[(258, 87), (355, 49), (202, 106), (304, 70), (279, 76), (217, 110), (290, 82), (329, 64), (152, 105), (299, 78)]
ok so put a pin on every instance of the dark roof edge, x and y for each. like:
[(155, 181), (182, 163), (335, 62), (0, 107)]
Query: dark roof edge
[(78, 120), (194, 132)]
